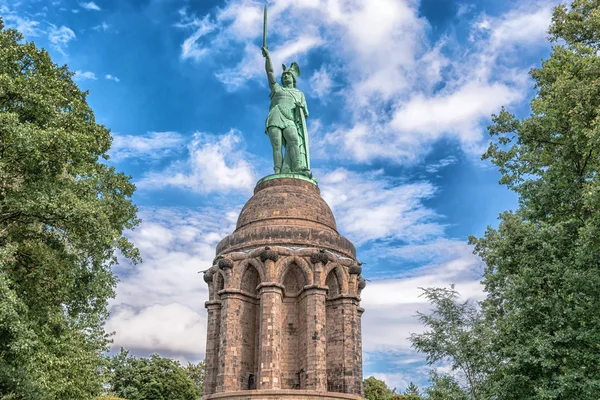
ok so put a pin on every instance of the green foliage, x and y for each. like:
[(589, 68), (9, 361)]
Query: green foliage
[(196, 373), (455, 332), (154, 378), (543, 261), (411, 393), (444, 387), (62, 214), (375, 389)]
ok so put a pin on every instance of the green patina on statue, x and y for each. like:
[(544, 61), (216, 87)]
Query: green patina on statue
[(286, 122)]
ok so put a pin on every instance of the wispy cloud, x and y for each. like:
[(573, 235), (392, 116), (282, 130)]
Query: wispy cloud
[(443, 163), (192, 47), (60, 37), (112, 78), (321, 83), (90, 6), (153, 145), (28, 27), (102, 27), (83, 75)]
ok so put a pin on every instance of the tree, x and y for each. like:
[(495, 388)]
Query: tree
[(62, 216), (153, 378), (411, 393), (196, 373), (455, 332), (375, 389), (543, 261), (444, 387)]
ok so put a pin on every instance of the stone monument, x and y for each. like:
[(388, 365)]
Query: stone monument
[(284, 319)]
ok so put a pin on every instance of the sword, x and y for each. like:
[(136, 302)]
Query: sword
[(265, 27)]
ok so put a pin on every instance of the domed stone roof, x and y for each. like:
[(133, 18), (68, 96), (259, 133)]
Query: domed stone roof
[(286, 200), (288, 212)]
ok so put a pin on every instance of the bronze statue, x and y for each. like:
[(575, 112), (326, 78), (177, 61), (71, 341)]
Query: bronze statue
[(286, 122)]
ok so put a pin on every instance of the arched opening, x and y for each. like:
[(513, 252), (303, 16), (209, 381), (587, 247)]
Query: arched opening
[(249, 321), (334, 326), (333, 284), (250, 280), (294, 342), (293, 281)]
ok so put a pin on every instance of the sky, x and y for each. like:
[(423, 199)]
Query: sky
[(399, 92)]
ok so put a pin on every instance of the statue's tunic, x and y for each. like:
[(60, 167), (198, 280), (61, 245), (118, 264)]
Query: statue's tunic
[(283, 102)]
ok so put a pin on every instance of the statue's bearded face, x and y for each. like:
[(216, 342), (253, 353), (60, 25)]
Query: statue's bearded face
[(287, 79)]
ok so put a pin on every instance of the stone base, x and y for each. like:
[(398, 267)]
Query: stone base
[(282, 394)]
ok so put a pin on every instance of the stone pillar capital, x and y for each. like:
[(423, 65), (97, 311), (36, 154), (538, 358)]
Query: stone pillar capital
[(212, 304), (272, 287)]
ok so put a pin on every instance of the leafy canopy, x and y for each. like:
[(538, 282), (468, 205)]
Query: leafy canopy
[(62, 217), (543, 261), (456, 333), (376, 389), (154, 378)]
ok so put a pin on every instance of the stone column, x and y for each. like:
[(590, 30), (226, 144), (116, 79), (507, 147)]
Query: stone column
[(269, 368), (316, 340), (212, 346), (228, 378), (352, 347), (359, 313)]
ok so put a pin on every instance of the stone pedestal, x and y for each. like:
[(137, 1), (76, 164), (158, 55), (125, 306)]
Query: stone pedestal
[(284, 309)]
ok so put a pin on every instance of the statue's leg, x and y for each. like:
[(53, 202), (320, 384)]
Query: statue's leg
[(275, 135), (292, 146)]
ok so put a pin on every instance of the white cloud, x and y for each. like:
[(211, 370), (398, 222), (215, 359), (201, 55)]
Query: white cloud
[(321, 83), (83, 75), (174, 327), (370, 207), (152, 146), (90, 6), (26, 26), (215, 164), (459, 111), (415, 124), (159, 304), (60, 37), (524, 26), (244, 16), (112, 78)]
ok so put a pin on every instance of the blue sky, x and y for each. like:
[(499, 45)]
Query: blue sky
[(399, 92)]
